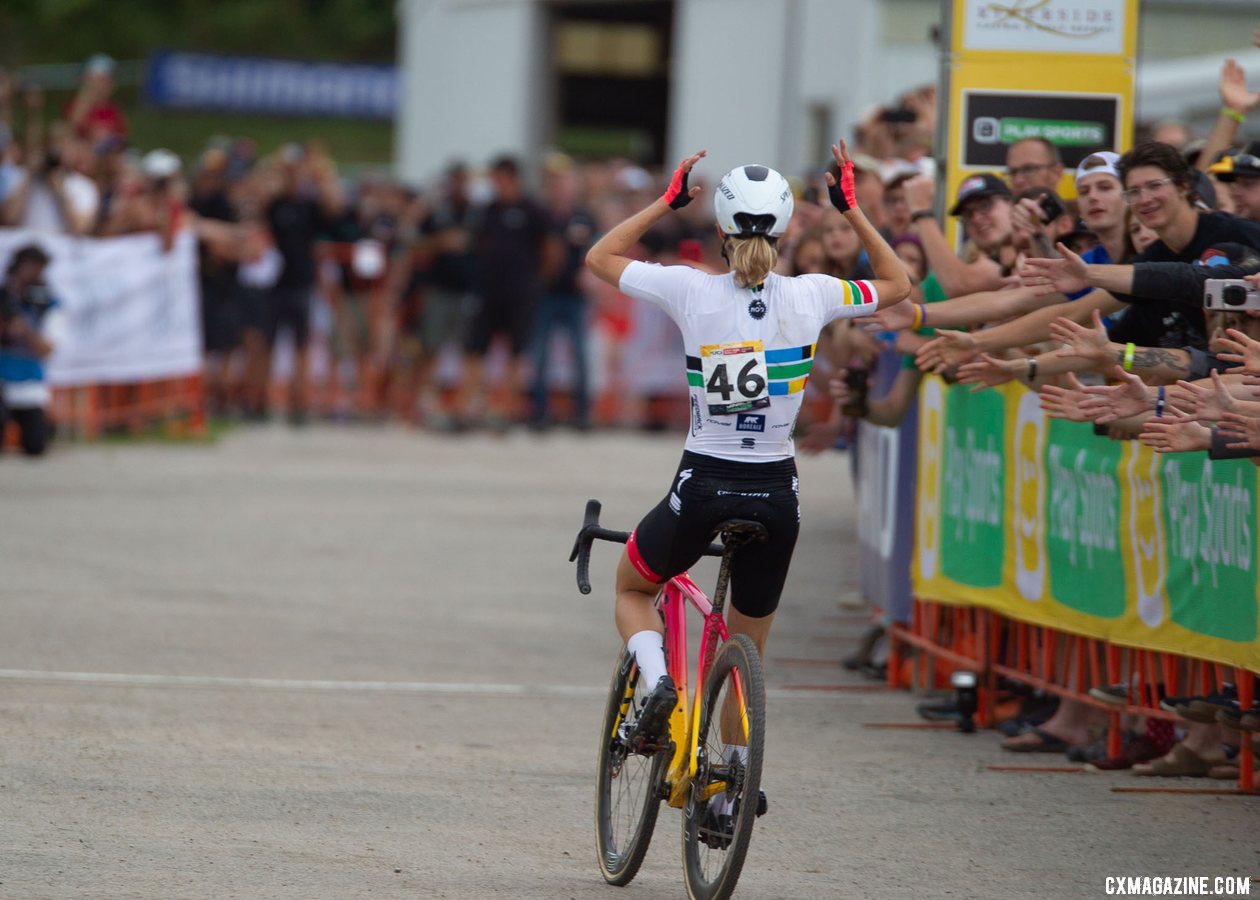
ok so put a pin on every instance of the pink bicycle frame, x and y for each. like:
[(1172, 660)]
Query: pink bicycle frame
[(675, 595)]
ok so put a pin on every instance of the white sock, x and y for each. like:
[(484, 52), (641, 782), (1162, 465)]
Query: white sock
[(648, 648)]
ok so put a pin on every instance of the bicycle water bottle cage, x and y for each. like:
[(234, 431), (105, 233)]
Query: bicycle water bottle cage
[(737, 532)]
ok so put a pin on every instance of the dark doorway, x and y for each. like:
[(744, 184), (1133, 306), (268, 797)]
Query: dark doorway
[(610, 62)]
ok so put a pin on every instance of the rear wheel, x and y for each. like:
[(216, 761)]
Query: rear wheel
[(723, 801), (628, 783)]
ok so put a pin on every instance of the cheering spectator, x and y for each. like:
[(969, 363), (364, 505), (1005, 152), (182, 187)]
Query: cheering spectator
[(897, 205), (149, 199), (49, 193), (1034, 163), (509, 248), (306, 202), (844, 256), (1236, 102), (1242, 175), (450, 285), (92, 111), (563, 304), (216, 269), (984, 206)]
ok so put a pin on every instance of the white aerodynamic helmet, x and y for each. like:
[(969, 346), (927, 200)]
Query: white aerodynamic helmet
[(753, 200)]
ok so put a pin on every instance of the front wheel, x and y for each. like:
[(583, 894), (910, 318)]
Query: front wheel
[(628, 781), (723, 801)]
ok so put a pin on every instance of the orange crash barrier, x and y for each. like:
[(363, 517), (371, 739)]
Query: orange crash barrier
[(1058, 662)]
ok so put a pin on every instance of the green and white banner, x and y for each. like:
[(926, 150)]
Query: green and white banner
[(1043, 521)]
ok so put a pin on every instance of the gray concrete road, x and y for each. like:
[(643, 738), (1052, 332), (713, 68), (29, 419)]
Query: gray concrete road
[(353, 663)]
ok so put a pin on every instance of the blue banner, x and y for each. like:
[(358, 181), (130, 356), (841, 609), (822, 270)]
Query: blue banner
[(259, 85), (885, 481)]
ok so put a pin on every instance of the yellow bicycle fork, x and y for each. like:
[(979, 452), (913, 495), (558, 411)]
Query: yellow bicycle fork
[(685, 761)]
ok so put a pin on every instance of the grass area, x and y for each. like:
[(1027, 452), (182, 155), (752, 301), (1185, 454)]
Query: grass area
[(353, 143), (166, 433), (356, 144)]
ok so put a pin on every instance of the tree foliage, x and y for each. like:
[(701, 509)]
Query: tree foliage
[(54, 31)]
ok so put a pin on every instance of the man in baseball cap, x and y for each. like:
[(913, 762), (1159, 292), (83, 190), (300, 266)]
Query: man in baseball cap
[(1242, 173), (983, 204), (986, 184)]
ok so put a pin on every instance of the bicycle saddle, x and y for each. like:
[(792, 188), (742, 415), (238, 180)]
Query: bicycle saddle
[(736, 532)]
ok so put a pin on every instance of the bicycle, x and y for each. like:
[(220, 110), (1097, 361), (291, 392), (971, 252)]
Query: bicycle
[(699, 759)]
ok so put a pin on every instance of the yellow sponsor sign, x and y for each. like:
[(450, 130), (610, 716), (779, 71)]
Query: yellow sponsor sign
[(1058, 69)]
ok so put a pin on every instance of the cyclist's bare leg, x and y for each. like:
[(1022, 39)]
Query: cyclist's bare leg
[(636, 601), (757, 629)]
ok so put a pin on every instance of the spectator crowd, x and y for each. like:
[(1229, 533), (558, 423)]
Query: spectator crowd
[(1111, 305)]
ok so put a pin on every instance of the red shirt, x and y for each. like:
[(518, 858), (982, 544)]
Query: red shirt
[(103, 119)]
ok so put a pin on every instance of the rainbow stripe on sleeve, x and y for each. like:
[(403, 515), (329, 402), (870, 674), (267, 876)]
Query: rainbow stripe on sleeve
[(858, 293)]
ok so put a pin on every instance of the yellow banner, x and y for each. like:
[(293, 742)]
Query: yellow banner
[(1058, 69), (1043, 521)]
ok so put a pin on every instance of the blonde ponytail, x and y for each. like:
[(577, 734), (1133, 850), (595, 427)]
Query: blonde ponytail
[(751, 258)]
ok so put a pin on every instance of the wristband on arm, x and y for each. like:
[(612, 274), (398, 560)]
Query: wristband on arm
[(918, 317), (676, 194), (1032, 369), (1129, 350), (1160, 403), (1233, 114)]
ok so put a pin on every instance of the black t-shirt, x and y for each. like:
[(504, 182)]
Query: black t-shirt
[(1161, 322), (576, 232), (213, 205), (1183, 282), (453, 271), (509, 248), (296, 225)]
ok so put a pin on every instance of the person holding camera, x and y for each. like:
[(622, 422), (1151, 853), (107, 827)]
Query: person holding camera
[(50, 194), (30, 324)]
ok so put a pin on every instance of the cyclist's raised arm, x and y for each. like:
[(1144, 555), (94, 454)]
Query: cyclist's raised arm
[(607, 259), (891, 283)]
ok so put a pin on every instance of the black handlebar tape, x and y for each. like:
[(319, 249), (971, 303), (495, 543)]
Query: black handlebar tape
[(591, 532), (590, 520)]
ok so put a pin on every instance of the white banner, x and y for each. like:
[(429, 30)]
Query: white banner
[(1045, 26), (131, 310)]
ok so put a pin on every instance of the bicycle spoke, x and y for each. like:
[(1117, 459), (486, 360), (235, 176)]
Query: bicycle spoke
[(724, 796), (628, 783)]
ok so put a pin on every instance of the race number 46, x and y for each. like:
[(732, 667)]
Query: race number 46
[(736, 378)]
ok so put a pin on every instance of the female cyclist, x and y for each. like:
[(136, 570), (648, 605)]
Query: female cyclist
[(749, 338)]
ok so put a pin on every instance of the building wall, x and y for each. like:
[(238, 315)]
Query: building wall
[(472, 82), (729, 61), (776, 82), (765, 80)]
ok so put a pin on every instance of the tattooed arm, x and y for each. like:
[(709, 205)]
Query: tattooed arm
[(1156, 365)]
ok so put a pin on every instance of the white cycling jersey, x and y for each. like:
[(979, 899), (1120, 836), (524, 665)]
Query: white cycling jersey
[(749, 350)]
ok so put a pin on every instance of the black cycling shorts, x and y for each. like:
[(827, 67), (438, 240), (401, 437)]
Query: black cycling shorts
[(706, 492)]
